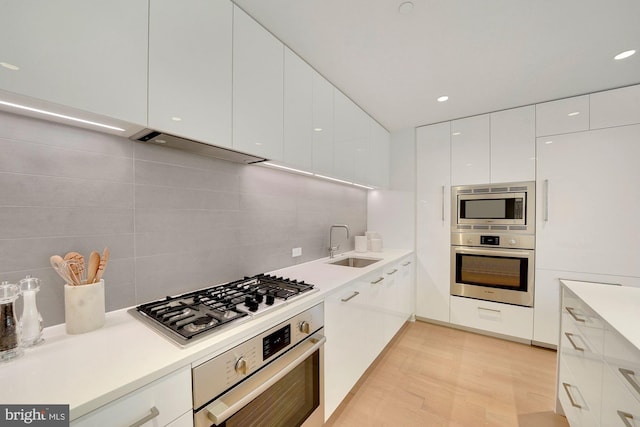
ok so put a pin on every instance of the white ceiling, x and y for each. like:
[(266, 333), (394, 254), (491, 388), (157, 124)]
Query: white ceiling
[(486, 55)]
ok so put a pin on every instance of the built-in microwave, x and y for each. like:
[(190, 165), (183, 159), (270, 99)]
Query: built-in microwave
[(508, 207)]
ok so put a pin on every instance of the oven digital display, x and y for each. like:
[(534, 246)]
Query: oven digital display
[(276, 341)]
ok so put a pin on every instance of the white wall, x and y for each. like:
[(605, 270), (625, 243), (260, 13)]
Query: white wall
[(392, 212)]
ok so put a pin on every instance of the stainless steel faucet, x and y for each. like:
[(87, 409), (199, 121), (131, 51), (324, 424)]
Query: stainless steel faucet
[(333, 249)]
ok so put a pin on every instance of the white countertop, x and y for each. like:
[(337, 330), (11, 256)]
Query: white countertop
[(89, 370), (619, 306)]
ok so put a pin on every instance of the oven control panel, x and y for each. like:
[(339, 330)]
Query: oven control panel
[(216, 375), (510, 241)]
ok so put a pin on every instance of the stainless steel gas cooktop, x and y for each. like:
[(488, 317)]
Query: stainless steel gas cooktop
[(193, 315)]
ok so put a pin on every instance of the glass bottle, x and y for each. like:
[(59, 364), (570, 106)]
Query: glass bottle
[(9, 329), (31, 320)]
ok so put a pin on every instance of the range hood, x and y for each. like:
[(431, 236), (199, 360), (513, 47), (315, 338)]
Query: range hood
[(166, 140)]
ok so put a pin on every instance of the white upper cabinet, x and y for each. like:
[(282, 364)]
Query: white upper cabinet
[(562, 116), (433, 223), (470, 148), (378, 164), (190, 69), (258, 70), (298, 111), (90, 56), (350, 139), (616, 107), (322, 125), (513, 145)]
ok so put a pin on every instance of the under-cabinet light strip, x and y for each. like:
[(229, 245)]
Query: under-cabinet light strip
[(61, 116), (316, 175)]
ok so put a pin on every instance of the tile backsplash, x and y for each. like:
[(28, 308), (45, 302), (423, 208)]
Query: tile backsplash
[(173, 221)]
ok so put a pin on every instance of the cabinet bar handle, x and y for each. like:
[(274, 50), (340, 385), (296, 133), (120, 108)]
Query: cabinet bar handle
[(569, 337), (394, 271), (378, 280), (576, 318), (545, 200), (630, 376), (573, 402), (406, 263), (625, 417), (153, 412), (489, 309), (442, 207), (355, 294)]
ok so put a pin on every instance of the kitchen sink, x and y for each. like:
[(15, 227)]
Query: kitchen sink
[(354, 262)]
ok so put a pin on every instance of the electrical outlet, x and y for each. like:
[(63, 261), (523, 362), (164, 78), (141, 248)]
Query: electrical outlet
[(296, 252)]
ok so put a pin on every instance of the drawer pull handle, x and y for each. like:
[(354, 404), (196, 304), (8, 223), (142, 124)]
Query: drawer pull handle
[(355, 294), (489, 309), (576, 318), (630, 376), (375, 282), (406, 263), (573, 402), (394, 271), (153, 412), (625, 417), (570, 338)]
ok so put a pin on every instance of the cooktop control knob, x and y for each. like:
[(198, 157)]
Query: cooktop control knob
[(241, 366), (304, 327), (270, 299)]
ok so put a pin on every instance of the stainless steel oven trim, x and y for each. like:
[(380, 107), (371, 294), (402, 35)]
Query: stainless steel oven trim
[(487, 293), (238, 397)]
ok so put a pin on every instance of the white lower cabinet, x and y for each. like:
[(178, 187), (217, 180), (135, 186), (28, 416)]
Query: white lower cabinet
[(503, 319), (360, 320), (166, 401)]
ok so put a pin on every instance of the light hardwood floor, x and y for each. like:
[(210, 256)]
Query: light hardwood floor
[(431, 375)]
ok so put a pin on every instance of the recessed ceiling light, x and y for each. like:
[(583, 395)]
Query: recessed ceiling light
[(9, 66), (443, 98), (625, 54), (258, 143), (575, 113), (456, 133), (176, 119), (317, 129), (405, 8), (548, 142)]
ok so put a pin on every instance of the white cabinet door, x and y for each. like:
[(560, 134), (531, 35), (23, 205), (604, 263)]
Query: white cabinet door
[(587, 214), (322, 125), (379, 161), (433, 222), (258, 69), (616, 107), (298, 111), (350, 139), (88, 55), (190, 69), (470, 148), (513, 145), (562, 116)]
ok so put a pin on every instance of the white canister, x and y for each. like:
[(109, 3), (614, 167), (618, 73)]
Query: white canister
[(84, 307), (376, 245), (371, 235), (361, 243)]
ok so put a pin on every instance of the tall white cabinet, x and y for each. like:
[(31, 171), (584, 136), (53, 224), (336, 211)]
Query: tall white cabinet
[(433, 223)]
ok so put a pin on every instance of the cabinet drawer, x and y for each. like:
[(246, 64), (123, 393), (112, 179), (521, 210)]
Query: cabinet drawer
[(562, 116), (503, 319), (580, 412), (170, 396), (580, 318), (624, 360), (619, 406)]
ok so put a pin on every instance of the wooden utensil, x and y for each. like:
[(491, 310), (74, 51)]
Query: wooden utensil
[(60, 266), (76, 267), (92, 268), (103, 264)]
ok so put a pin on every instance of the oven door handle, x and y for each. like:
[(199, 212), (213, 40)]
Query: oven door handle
[(494, 252), (238, 397)]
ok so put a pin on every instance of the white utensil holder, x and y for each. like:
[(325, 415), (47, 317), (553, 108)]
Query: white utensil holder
[(84, 307)]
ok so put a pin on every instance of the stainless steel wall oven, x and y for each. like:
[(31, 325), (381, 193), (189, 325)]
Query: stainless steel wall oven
[(493, 242), (274, 379)]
